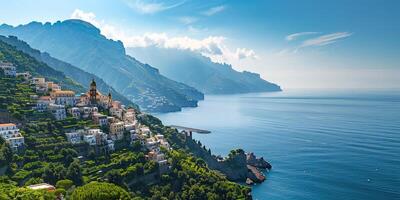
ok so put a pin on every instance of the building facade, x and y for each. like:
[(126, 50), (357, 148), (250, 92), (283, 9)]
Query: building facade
[(11, 134), (63, 97), (74, 137), (8, 68), (58, 111), (117, 130)]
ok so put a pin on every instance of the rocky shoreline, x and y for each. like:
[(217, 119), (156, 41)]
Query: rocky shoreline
[(238, 166), (255, 165)]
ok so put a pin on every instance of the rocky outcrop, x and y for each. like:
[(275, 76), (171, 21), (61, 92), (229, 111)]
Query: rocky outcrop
[(252, 160), (237, 166), (254, 174)]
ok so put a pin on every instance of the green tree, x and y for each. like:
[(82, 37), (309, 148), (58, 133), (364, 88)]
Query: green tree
[(64, 184), (74, 173), (114, 176), (100, 191)]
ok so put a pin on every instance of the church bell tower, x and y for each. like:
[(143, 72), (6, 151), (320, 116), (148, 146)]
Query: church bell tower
[(93, 92), (109, 100)]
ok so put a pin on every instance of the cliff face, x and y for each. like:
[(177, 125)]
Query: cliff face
[(236, 167)]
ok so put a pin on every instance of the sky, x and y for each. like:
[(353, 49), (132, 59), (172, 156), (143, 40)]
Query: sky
[(296, 44)]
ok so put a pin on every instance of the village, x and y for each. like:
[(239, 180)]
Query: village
[(114, 120), (104, 126)]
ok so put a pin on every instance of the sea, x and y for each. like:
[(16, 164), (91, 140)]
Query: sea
[(331, 144)]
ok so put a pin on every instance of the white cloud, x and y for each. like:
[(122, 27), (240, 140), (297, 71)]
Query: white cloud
[(147, 7), (296, 35), (214, 10), (325, 39), (85, 16), (242, 53), (187, 20), (213, 47)]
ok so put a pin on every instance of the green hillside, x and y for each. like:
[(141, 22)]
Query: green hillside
[(26, 63), (69, 70)]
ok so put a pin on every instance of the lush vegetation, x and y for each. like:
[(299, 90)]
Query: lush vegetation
[(191, 179), (26, 63), (81, 171), (100, 191), (16, 98), (5, 153), (8, 191)]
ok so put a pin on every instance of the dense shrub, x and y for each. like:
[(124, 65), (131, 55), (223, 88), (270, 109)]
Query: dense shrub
[(100, 191)]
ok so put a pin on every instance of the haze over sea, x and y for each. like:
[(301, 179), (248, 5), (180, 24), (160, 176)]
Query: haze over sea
[(322, 145)]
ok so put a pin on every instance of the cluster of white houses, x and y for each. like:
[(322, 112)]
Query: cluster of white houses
[(120, 120), (11, 134)]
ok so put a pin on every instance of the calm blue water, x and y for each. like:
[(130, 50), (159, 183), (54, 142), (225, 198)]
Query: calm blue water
[(322, 145)]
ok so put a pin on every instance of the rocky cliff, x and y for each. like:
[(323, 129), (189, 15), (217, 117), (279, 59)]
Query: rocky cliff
[(237, 166)]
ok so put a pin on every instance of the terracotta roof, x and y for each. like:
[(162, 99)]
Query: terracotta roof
[(45, 98), (64, 91), (8, 124)]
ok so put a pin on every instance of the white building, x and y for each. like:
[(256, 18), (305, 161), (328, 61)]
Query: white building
[(64, 97), (75, 112), (90, 139), (16, 141), (11, 134), (98, 135), (43, 103), (110, 145), (7, 130), (74, 137), (87, 111), (8, 68), (58, 111)]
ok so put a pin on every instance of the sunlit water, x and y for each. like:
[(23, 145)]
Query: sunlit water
[(322, 145)]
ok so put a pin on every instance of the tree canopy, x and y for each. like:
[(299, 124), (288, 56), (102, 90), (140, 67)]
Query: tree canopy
[(100, 191)]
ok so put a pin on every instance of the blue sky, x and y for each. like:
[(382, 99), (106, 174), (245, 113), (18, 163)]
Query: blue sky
[(297, 44)]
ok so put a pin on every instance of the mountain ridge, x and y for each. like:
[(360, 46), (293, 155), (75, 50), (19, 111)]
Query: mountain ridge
[(82, 45), (201, 73)]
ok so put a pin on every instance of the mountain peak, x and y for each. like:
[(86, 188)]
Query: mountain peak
[(79, 23)]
